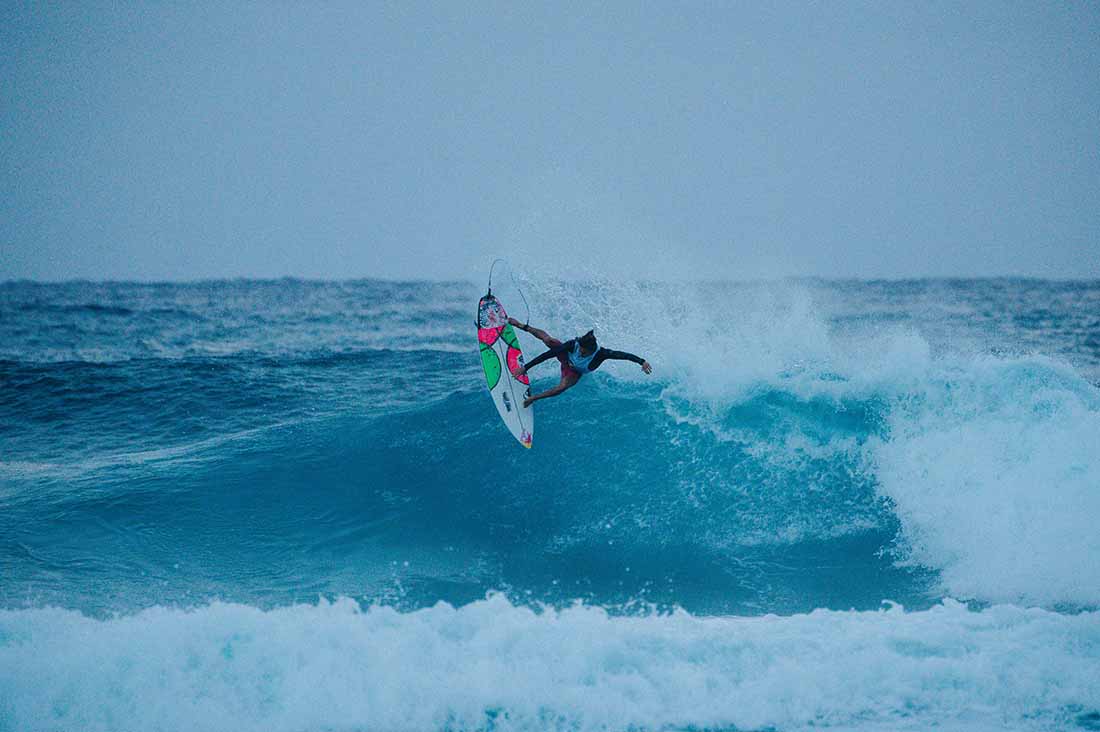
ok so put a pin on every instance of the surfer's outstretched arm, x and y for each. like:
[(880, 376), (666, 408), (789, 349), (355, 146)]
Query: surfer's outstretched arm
[(606, 354)]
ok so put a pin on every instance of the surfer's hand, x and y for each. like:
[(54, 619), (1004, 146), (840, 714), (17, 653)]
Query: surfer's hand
[(527, 401), (520, 371), (512, 321), (646, 367)]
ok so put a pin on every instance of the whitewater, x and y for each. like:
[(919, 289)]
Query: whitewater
[(290, 505)]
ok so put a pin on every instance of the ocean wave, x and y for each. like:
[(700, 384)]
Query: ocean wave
[(774, 433), (491, 665), (987, 460), (988, 463), (981, 469)]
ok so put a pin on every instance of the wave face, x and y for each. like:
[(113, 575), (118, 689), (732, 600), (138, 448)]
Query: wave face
[(182, 465)]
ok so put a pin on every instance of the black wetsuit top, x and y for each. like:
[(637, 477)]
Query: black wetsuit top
[(602, 354)]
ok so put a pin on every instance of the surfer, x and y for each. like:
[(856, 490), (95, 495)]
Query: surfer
[(578, 356)]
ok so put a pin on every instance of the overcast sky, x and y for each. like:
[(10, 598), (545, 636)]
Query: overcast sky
[(742, 140)]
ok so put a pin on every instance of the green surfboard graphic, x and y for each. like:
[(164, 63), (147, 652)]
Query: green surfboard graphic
[(491, 363)]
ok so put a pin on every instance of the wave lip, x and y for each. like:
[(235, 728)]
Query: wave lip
[(493, 665)]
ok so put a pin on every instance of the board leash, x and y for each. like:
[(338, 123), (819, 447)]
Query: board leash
[(527, 319), (512, 275), (491, 268)]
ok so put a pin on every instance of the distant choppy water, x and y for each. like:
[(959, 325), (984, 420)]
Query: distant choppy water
[(291, 506)]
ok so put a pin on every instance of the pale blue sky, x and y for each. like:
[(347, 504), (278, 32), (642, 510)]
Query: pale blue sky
[(743, 140)]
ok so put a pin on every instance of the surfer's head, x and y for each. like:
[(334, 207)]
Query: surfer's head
[(588, 342)]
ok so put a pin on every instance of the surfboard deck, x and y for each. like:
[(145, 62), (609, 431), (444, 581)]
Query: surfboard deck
[(501, 356)]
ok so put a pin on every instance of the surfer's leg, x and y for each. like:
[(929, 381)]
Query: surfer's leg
[(565, 383)]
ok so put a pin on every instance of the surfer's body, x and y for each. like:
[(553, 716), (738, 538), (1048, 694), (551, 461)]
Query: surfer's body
[(577, 356)]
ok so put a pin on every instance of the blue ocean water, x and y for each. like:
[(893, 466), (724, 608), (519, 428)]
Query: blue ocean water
[(289, 505)]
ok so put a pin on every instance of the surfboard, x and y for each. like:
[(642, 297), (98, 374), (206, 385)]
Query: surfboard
[(501, 357)]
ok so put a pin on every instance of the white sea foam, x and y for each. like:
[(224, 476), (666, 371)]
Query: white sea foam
[(994, 471), (492, 665)]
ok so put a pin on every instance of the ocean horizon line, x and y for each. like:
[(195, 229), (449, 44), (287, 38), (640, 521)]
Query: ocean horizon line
[(23, 281)]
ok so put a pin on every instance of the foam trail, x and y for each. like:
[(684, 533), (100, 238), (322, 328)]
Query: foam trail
[(492, 665)]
